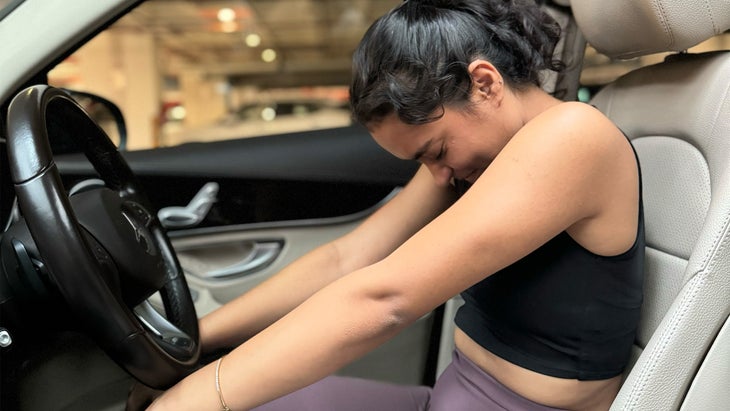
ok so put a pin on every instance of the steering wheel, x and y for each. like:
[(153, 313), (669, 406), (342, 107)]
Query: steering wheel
[(104, 247)]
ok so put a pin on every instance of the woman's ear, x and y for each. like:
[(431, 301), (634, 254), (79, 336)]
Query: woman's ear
[(487, 82)]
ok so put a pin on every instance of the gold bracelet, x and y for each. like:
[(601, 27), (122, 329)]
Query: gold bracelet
[(224, 406)]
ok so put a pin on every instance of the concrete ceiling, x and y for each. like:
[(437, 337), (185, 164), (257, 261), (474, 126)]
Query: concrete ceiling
[(313, 39)]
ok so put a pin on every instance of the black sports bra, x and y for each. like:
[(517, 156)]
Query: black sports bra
[(561, 310)]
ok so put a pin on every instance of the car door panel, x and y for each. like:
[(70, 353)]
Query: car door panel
[(202, 255)]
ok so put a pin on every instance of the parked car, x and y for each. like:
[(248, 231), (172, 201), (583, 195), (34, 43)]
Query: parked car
[(267, 118), (109, 257)]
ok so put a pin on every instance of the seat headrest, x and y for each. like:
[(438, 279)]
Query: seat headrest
[(631, 28)]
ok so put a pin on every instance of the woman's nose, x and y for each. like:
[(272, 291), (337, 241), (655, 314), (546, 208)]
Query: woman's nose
[(441, 173)]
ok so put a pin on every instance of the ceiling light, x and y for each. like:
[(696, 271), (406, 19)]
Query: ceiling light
[(226, 15), (268, 114), (253, 40), (229, 26), (268, 55), (177, 113)]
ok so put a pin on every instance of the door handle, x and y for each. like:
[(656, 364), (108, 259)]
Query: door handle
[(193, 213), (262, 254)]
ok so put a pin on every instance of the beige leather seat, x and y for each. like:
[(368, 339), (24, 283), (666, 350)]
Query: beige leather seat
[(677, 114)]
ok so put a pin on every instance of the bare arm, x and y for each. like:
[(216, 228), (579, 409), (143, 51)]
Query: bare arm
[(542, 183), (418, 203)]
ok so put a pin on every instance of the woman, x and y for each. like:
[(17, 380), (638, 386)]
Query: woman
[(527, 205)]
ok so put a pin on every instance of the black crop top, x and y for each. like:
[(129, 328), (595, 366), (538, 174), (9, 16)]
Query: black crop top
[(561, 310)]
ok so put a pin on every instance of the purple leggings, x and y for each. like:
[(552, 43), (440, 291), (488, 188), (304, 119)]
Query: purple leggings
[(461, 387)]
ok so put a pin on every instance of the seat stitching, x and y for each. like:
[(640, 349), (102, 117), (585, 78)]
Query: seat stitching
[(659, 8), (648, 372), (713, 253), (712, 20), (725, 99), (709, 258)]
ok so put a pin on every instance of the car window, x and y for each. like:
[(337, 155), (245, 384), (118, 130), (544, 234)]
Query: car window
[(184, 71)]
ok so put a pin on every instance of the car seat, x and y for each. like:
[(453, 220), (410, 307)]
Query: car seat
[(677, 115)]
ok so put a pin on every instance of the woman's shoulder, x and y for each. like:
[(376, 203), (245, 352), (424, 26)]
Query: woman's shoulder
[(571, 110), (573, 123), (570, 133), (574, 115)]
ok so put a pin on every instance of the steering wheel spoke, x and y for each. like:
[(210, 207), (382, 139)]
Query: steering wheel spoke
[(173, 339)]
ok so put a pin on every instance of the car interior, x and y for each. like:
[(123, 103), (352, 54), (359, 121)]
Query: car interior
[(245, 210), (677, 116)]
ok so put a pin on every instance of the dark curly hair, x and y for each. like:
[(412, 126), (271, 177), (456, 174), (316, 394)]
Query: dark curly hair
[(413, 61)]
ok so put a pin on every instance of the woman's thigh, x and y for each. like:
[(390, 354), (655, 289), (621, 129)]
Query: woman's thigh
[(463, 386), (352, 394)]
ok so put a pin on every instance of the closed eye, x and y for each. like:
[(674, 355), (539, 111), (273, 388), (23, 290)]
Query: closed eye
[(441, 153)]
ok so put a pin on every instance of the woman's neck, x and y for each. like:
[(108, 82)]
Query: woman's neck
[(533, 101)]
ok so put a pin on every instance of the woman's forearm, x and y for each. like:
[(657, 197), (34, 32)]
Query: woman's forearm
[(417, 204), (244, 317), (337, 325)]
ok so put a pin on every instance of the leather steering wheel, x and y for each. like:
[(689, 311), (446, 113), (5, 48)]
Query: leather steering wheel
[(104, 247)]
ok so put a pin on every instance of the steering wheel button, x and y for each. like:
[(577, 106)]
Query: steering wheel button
[(139, 212)]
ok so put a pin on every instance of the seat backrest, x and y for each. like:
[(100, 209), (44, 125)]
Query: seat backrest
[(677, 114)]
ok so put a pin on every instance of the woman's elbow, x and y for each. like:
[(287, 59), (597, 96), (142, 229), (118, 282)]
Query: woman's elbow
[(389, 312)]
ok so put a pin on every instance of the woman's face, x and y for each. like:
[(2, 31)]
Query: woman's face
[(459, 145)]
